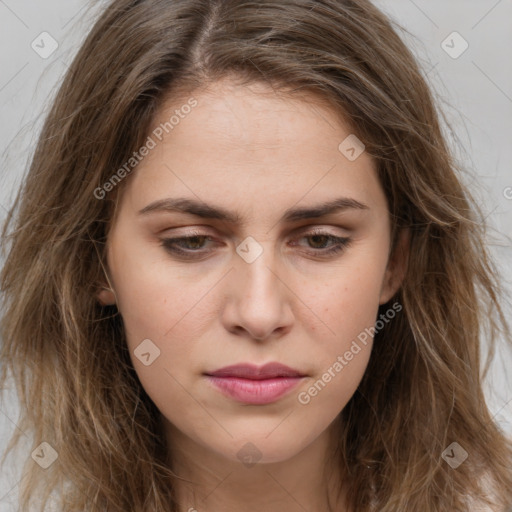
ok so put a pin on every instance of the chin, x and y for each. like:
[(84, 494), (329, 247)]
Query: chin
[(263, 448)]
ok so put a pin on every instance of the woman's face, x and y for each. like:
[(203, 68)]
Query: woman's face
[(266, 279)]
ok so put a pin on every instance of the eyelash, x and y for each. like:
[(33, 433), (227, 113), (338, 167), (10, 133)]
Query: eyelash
[(170, 244)]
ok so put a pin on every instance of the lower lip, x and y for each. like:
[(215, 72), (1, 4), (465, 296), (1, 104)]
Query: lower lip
[(255, 392)]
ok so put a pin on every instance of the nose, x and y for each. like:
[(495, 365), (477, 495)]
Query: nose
[(259, 305)]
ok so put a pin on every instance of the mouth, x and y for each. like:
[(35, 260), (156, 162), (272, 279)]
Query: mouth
[(255, 385)]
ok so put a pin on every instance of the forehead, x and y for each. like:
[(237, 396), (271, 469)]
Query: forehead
[(253, 117), (250, 143)]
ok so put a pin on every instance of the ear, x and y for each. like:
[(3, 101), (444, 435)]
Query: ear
[(106, 296), (397, 267)]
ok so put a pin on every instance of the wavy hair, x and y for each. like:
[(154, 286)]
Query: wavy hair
[(67, 354)]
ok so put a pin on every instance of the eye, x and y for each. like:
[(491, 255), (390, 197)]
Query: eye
[(186, 246), (319, 240), (193, 245)]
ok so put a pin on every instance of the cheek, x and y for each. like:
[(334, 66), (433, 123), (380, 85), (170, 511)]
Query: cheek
[(161, 303), (347, 304), (152, 294), (156, 306), (349, 307), (347, 300)]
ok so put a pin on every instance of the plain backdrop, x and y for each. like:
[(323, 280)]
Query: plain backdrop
[(463, 47)]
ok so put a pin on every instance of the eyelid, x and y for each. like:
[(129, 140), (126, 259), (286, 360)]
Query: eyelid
[(338, 244), (321, 229), (301, 231), (208, 231)]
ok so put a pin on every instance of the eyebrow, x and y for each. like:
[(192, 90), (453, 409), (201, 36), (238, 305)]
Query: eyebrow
[(204, 210)]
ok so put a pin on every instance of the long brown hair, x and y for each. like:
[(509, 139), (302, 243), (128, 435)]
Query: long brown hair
[(67, 354)]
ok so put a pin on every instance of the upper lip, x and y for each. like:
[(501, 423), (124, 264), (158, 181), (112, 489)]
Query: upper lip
[(250, 371)]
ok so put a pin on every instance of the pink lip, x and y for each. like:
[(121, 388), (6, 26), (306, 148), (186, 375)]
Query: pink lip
[(255, 385)]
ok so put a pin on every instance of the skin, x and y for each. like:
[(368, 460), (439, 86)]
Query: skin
[(256, 153)]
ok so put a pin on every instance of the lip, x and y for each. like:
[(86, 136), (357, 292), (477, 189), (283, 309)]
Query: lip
[(255, 385), (251, 371)]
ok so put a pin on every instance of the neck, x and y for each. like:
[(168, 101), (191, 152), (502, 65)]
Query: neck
[(210, 482)]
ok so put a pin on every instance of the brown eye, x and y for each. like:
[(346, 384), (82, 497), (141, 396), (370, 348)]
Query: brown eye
[(319, 242), (187, 246)]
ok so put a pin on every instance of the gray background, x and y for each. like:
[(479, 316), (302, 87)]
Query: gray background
[(475, 91)]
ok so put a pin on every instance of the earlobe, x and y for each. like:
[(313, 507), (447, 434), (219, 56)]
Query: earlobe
[(106, 297), (397, 267)]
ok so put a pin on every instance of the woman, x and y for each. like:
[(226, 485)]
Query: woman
[(244, 273)]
